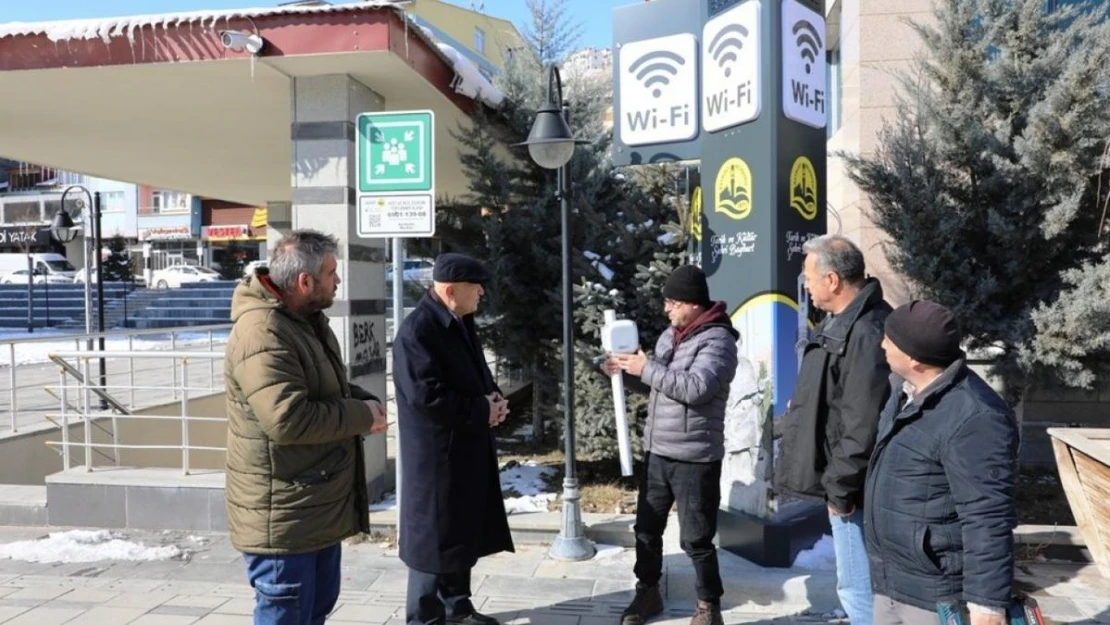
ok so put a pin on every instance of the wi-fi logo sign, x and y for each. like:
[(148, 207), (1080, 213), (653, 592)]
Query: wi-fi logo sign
[(726, 46), (809, 42), (655, 69)]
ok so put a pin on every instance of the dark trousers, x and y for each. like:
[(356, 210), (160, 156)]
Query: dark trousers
[(696, 486), (435, 597), (299, 589)]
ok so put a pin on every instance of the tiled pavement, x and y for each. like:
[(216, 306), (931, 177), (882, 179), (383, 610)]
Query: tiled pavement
[(527, 587)]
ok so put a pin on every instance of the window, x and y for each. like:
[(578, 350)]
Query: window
[(168, 203), (22, 212), (111, 202), (479, 41)]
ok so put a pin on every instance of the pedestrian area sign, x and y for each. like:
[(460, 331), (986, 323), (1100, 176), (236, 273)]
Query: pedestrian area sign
[(396, 177)]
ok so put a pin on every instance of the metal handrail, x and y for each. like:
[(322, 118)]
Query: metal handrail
[(85, 388), (86, 345)]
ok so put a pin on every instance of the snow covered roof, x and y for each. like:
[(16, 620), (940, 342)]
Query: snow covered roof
[(469, 81), (106, 28)]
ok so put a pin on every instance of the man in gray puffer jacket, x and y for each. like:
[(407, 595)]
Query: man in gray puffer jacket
[(688, 378)]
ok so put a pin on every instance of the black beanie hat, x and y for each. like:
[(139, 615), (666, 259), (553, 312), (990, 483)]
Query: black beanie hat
[(687, 284), (926, 332)]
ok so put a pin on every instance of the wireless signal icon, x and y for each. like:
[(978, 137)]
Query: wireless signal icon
[(727, 45), (809, 42), (656, 69)]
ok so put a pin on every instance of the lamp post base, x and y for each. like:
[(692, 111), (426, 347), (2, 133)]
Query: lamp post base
[(571, 544)]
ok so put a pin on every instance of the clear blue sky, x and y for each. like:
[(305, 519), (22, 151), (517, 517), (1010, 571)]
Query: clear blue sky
[(594, 15)]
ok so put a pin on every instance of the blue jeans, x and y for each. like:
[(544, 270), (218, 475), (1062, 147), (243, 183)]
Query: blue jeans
[(853, 571), (298, 589)]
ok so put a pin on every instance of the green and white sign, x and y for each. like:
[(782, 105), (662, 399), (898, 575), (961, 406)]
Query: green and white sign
[(396, 156)]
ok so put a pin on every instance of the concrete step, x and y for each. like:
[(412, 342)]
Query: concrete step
[(22, 505)]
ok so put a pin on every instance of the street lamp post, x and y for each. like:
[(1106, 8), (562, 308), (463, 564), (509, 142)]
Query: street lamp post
[(65, 230), (551, 145)]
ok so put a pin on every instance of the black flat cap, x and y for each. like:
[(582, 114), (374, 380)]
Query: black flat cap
[(452, 267)]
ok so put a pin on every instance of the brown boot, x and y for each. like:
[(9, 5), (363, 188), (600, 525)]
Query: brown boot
[(647, 603), (707, 614)]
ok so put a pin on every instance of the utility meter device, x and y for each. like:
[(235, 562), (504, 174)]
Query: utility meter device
[(619, 336)]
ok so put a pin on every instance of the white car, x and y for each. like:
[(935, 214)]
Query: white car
[(20, 277), (248, 269), (175, 276), (416, 270)]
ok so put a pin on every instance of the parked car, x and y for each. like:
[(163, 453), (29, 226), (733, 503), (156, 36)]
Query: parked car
[(81, 273), (175, 276), (19, 276), (416, 270), (248, 269)]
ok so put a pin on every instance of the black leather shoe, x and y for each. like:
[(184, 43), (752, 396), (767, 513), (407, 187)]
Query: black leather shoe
[(474, 618)]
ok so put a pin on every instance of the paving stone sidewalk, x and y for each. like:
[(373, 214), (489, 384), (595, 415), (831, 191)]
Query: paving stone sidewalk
[(526, 588)]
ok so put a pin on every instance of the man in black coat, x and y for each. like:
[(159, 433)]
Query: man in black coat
[(452, 511), (940, 507), (829, 429)]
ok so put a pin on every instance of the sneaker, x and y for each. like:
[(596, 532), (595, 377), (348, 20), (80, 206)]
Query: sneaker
[(647, 603), (707, 614)]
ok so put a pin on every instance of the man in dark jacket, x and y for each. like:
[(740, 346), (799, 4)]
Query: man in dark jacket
[(452, 511), (688, 377), (296, 482), (829, 429), (940, 491)]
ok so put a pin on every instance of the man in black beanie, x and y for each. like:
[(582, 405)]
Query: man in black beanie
[(688, 377), (939, 501)]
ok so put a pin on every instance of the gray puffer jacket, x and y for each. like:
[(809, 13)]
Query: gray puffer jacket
[(689, 385)]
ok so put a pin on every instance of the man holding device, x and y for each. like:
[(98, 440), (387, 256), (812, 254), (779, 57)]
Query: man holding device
[(452, 512), (688, 378)]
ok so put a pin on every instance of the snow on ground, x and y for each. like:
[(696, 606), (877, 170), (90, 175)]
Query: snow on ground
[(605, 552), (527, 478), (85, 546), (529, 482), (820, 558), (528, 503), (34, 352), (387, 503)]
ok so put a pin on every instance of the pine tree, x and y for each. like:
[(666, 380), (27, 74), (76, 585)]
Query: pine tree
[(987, 179), (117, 267), (644, 244)]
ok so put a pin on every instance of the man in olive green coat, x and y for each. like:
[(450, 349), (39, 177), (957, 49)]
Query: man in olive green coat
[(295, 466)]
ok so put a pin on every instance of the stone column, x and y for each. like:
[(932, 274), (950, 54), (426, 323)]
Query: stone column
[(323, 171)]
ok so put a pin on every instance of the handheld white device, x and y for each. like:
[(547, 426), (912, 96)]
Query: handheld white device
[(620, 336)]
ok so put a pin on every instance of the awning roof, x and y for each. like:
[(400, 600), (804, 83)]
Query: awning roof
[(158, 100)]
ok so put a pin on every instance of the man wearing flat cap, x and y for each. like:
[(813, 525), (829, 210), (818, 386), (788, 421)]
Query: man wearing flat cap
[(939, 500), (688, 378), (452, 511)]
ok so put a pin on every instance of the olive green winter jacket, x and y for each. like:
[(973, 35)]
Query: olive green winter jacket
[(295, 466)]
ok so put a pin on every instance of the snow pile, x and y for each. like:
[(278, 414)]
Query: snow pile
[(529, 481), (604, 552), (527, 504), (86, 546), (469, 81), (821, 557)]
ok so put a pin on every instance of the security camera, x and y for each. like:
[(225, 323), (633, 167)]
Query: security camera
[(235, 40)]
